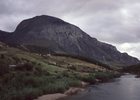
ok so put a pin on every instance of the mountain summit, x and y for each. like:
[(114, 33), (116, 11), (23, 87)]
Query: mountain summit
[(48, 34)]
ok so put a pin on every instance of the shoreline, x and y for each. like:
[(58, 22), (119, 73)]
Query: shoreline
[(58, 96), (71, 91)]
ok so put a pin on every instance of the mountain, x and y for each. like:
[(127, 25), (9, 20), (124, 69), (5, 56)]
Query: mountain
[(46, 34)]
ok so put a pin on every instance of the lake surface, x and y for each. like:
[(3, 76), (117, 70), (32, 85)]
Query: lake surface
[(127, 87)]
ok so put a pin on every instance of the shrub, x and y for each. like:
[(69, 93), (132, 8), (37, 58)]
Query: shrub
[(65, 74), (24, 67), (23, 94), (89, 78), (3, 68), (39, 71), (72, 67), (2, 56), (104, 76)]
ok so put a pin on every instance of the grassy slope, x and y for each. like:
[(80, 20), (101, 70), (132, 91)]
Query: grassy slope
[(37, 75)]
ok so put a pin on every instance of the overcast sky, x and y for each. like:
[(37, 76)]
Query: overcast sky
[(113, 21)]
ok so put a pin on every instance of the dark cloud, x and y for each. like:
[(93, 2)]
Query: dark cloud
[(112, 21)]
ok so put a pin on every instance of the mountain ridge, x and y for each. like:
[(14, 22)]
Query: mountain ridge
[(58, 36)]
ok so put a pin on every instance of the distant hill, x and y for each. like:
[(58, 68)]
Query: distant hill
[(135, 69), (46, 34)]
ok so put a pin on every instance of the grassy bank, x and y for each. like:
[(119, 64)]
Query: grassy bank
[(27, 85)]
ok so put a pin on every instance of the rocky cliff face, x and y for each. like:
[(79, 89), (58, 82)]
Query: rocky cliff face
[(58, 36)]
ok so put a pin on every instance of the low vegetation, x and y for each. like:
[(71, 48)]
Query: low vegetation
[(25, 76)]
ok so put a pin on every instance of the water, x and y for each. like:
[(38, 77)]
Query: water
[(126, 87)]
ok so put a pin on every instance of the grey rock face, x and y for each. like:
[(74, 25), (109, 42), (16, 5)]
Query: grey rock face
[(61, 37)]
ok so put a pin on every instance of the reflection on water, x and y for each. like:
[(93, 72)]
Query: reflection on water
[(126, 87)]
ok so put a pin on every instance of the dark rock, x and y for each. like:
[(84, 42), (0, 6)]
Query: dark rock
[(46, 34)]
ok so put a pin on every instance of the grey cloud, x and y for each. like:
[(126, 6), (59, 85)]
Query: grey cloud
[(8, 7), (112, 21)]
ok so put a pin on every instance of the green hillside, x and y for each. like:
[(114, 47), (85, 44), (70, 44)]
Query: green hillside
[(26, 75)]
